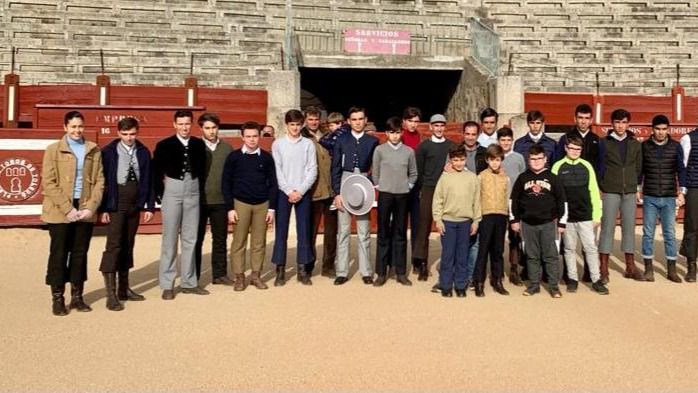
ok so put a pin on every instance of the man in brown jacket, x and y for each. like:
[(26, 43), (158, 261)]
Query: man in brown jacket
[(322, 196), (72, 184)]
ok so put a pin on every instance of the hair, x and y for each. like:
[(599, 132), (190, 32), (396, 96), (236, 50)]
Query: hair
[(583, 109), (313, 111), (494, 151), (471, 124), (504, 132), (620, 114), (355, 109), (127, 123), (212, 117), (535, 150), (534, 115), (250, 125), (457, 151), (393, 124), (659, 119), (183, 113), (335, 117), (293, 116), (72, 115), (269, 125), (575, 140), (488, 112), (410, 112)]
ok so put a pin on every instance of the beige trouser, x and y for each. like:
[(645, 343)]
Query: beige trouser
[(251, 219)]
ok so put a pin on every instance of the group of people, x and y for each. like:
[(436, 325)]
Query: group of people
[(542, 194)]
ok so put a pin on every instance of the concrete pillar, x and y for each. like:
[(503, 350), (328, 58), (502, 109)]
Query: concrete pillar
[(284, 93), (509, 102)]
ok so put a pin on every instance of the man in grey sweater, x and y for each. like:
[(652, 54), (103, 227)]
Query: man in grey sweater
[(213, 208), (394, 174)]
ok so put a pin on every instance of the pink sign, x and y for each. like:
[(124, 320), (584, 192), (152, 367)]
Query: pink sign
[(379, 42)]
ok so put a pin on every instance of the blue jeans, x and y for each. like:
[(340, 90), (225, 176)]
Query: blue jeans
[(665, 209), (474, 247), (454, 267)]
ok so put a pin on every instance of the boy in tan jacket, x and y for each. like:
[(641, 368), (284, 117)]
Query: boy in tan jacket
[(456, 211), (495, 210)]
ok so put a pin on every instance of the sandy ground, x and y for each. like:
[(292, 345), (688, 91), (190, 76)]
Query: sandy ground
[(351, 338)]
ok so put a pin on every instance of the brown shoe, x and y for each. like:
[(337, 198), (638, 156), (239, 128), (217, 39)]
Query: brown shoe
[(514, 277), (257, 281), (168, 294), (240, 283), (671, 273), (649, 270), (630, 270), (603, 267)]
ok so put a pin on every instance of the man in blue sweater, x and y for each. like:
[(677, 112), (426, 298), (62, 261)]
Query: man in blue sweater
[(536, 136), (353, 154)]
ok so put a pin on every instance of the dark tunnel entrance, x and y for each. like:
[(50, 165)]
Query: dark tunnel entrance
[(383, 92)]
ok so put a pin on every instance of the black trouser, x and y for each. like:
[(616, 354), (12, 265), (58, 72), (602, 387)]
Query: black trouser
[(392, 233), (121, 231), (321, 209), (218, 215), (492, 229), (67, 260), (689, 244)]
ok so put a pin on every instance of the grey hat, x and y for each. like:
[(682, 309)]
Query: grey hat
[(357, 194), (437, 118)]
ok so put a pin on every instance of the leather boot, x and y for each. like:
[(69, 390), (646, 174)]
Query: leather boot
[(58, 300), (423, 271), (603, 267), (649, 270), (479, 289), (239, 284), (125, 292), (304, 276), (76, 300), (499, 287), (514, 267), (256, 280), (630, 270), (691, 271), (671, 271), (586, 275), (113, 303), (280, 276)]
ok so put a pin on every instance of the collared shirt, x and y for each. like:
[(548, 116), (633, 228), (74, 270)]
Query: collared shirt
[(212, 145), (535, 138), (246, 150), (357, 135), (686, 147), (185, 142), (617, 137), (485, 140), (438, 140), (395, 146)]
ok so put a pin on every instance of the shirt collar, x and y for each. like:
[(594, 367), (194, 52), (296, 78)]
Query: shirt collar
[(583, 134), (129, 149), (395, 147), (185, 142), (357, 135), (618, 138), (535, 138), (212, 145), (257, 151), (438, 140)]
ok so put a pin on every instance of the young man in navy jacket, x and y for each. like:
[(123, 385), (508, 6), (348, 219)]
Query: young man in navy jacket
[(128, 190)]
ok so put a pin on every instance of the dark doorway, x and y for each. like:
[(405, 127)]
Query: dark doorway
[(383, 92)]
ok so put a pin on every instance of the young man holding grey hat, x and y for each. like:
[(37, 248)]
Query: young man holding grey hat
[(351, 162), (394, 174)]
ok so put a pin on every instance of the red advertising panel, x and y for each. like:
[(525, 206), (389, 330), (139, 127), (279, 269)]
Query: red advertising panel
[(377, 42)]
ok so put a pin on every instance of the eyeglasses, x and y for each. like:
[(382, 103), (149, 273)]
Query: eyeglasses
[(536, 158)]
